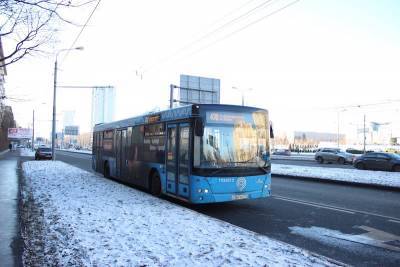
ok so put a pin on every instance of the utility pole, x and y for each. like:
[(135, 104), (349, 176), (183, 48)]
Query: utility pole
[(53, 135), (171, 95), (364, 134), (33, 129), (338, 137)]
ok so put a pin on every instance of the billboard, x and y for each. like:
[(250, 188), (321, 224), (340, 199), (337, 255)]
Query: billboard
[(71, 130), (19, 133), (199, 90)]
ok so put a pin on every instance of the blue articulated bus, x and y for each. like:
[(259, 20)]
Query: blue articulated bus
[(200, 153)]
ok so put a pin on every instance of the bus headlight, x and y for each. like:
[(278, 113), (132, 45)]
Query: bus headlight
[(202, 190)]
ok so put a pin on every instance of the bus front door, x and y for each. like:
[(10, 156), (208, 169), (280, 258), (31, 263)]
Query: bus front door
[(178, 159)]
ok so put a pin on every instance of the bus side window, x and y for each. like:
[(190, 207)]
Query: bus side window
[(137, 143)]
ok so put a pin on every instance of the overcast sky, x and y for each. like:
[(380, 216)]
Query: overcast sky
[(302, 63)]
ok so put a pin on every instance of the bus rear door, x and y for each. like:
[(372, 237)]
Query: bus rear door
[(178, 159)]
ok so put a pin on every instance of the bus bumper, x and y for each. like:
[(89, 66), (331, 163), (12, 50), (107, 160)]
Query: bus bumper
[(202, 193)]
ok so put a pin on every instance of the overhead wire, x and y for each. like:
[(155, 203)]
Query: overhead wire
[(212, 24), (82, 29), (241, 29), (246, 14)]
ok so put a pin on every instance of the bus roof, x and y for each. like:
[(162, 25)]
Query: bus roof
[(177, 113)]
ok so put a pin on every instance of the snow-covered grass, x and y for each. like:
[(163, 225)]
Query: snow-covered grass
[(293, 157), (76, 151), (84, 219), (391, 179)]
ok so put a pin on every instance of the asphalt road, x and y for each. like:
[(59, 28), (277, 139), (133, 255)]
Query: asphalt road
[(355, 225)]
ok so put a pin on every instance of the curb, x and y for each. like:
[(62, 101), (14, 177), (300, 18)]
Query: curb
[(294, 159), (330, 181), (77, 152)]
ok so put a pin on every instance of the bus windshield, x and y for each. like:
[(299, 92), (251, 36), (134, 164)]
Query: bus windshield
[(233, 139)]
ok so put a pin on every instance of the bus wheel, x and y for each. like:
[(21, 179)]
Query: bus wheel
[(106, 172), (155, 186)]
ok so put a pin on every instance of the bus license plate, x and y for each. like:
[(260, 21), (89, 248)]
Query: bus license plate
[(241, 196)]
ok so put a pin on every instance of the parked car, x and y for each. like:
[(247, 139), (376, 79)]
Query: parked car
[(333, 155), (284, 152), (378, 161), (43, 153)]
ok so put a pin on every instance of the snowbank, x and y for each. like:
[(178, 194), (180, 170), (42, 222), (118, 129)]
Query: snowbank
[(390, 179), (89, 220), (76, 151)]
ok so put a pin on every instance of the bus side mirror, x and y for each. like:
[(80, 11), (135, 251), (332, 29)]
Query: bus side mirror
[(199, 127), (271, 131)]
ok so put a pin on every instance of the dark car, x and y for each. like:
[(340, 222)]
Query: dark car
[(284, 152), (378, 161), (43, 153)]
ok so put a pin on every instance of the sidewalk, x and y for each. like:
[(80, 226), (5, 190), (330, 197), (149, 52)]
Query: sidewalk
[(10, 241)]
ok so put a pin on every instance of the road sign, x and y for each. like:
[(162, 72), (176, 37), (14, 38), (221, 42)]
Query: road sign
[(71, 130)]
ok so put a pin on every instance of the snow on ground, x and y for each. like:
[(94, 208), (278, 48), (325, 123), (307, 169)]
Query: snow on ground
[(77, 151), (294, 157), (382, 178), (84, 219), (26, 152)]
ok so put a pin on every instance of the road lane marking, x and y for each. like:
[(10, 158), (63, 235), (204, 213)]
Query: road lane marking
[(394, 219), (317, 205), (371, 237)]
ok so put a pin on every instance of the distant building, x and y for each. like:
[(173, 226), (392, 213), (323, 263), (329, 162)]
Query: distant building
[(6, 114), (315, 138), (103, 104), (200, 90)]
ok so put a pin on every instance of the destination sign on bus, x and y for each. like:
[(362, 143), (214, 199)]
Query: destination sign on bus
[(225, 117), (153, 118)]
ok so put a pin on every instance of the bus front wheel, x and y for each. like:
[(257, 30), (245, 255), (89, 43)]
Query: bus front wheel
[(155, 186)]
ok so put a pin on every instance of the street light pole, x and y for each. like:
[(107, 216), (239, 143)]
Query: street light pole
[(338, 126), (364, 135), (33, 129), (242, 92), (53, 132)]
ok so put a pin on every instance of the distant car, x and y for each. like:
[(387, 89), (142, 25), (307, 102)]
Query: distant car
[(333, 155), (378, 161), (43, 153), (284, 152)]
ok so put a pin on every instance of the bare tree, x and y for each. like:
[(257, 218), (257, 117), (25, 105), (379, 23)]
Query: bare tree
[(29, 24)]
